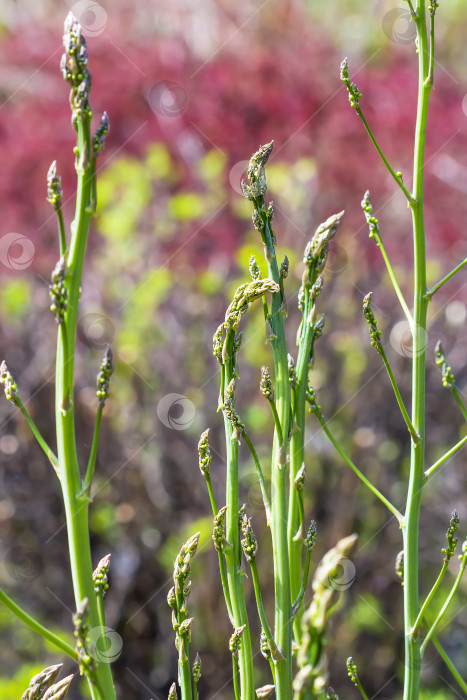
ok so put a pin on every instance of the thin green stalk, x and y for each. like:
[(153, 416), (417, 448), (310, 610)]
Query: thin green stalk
[(275, 653), (429, 597), (259, 471), (36, 626), (76, 509), (413, 433), (461, 682), (301, 593), (460, 402), (417, 477), (93, 455), (35, 431), (357, 471), (235, 677), (233, 551), (61, 231), (452, 592), (434, 289), (429, 472), (282, 624)]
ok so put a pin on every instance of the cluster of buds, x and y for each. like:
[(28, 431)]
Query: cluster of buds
[(292, 371), (100, 134), (230, 412), (253, 266), (256, 173), (236, 640), (310, 537), (284, 268), (244, 296), (54, 187), (204, 454), (375, 334), (399, 566), (249, 542), (103, 378), (85, 660), (352, 671), (265, 384), (299, 481), (311, 400), (100, 576), (448, 552), (371, 220), (316, 250), (58, 291), (218, 533), (74, 67), (43, 686), (352, 89), (11, 389), (447, 375)]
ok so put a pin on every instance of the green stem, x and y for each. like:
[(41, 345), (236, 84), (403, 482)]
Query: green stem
[(61, 231), (429, 472), (392, 172), (413, 433), (461, 682), (392, 277), (262, 482), (282, 618), (417, 457), (76, 510), (212, 498), (297, 457), (93, 455), (429, 597), (358, 473), (437, 286), (446, 604), (235, 677), (461, 404), (233, 553), (301, 593), (36, 626), (35, 431), (429, 80), (275, 653)]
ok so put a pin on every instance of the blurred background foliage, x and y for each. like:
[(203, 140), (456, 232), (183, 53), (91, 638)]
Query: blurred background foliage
[(192, 90)]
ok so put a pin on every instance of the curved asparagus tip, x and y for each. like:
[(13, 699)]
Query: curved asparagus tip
[(452, 541), (103, 378), (100, 576), (58, 690), (10, 386), (41, 682), (352, 89), (74, 65), (204, 454), (173, 695), (54, 187)]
